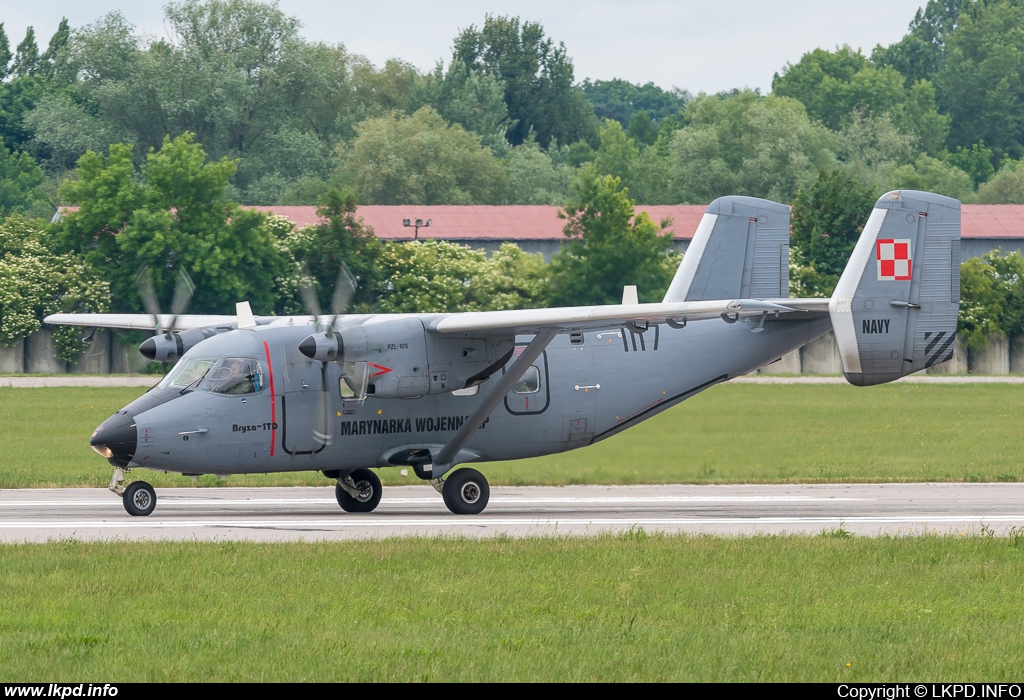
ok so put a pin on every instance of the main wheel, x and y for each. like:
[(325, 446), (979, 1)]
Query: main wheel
[(139, 498), (466, 492), (368, 485)]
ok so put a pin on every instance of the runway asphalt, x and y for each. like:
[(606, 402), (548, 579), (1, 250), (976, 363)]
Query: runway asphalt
[(147, 380), (312, 514)]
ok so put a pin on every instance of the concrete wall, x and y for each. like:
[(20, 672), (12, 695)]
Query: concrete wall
[(821, 356), (1017, 353), (992, 358), (789, 364), (96, 358), (12, 360), (41, 354)]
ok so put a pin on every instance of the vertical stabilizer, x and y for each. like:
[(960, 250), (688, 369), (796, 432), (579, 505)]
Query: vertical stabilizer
[(894, 310), (740, 251)]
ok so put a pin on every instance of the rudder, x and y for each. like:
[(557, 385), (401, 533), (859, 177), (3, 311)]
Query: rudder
[(894, 310)]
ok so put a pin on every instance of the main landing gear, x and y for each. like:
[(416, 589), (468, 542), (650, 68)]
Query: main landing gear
[(358, 492), (138, 497), (465, 491)]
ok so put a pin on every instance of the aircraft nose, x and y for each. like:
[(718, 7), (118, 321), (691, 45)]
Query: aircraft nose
[(116, 438)]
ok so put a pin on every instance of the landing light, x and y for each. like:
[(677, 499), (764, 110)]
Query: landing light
[(103, 450)]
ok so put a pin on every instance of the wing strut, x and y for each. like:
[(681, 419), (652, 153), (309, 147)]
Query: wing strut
[(442, 462)]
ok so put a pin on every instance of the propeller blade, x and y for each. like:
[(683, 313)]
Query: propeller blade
[(144, 283), (184, 288), (344, 290), (306, 288)]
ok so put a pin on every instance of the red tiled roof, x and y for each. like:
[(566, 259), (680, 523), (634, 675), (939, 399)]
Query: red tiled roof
[(992, 220), (538, 222), (481, 222)]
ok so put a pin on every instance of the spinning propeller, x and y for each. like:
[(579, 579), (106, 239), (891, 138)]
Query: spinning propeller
[(326, 344), (167, 344)]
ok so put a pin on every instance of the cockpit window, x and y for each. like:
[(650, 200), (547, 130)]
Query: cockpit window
[(188, 373), (236, 375)]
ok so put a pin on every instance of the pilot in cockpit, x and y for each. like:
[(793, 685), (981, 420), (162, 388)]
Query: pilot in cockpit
[(235, 376)]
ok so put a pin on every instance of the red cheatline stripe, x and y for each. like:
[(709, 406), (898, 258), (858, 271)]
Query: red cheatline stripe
[(273, 401)]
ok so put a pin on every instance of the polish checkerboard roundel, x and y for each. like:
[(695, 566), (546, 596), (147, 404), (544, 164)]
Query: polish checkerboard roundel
[(893, 256)]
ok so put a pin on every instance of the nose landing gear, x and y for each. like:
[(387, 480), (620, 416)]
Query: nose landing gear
[(138, 497)]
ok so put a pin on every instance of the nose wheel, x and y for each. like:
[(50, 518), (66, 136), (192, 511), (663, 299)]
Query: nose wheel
[(139, 498), (466, 492)]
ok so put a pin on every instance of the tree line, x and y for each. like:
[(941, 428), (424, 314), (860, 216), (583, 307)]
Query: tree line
[(158, 141), (505, 120)]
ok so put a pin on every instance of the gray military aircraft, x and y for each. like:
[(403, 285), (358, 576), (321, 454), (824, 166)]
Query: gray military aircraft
[(353, 393)]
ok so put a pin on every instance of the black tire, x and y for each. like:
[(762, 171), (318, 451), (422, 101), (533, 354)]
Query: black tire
[(466, 492), (369, 484), (139, 498)]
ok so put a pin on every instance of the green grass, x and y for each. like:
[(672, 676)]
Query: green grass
[(739, 433), (624, 608)]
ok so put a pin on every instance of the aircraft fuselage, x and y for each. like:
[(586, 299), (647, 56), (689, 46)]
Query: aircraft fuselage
[(585, 388)]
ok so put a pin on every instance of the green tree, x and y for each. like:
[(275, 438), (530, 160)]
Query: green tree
[(982, 82), (642, 130), (833, 85), (419, 159), (827, 219), (537, 77), (26, 58), (340, 238), (475, 101), (5, 53), (921, 54), (175, 215), (35, 282), (534, 177), (622, 101), (55, 52), (437, 276), (18, 99), (933, 175), (610, 246), (1005, 187), (20, 181), (991, 297), (618, 154), (976, 161), (746, 144), (872, 149)]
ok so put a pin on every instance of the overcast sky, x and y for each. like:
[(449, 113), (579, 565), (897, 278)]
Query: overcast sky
[(698, 45)]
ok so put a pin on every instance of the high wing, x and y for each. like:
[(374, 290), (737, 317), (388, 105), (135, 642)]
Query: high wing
[(564, 319), (591, 318), (132, 322)]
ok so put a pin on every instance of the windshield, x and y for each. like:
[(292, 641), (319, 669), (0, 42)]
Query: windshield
[(236, 375), (188, 373)]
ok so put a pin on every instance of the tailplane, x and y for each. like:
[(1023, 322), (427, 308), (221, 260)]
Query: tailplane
[(894, 310)]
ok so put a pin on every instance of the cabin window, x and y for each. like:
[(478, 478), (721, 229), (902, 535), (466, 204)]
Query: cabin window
[(235, 376), (529, 383)]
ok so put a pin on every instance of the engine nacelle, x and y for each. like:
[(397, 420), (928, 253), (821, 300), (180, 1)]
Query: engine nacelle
[(160, 348), (398, 358)]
